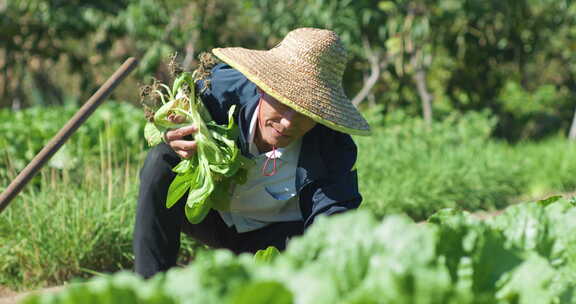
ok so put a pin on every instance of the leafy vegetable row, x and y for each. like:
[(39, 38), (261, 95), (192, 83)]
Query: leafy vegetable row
[(525, 255)]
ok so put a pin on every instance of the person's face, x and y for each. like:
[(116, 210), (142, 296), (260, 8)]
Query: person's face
[(279, 125)]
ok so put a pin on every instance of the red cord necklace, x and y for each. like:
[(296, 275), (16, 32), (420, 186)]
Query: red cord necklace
[(273, 155), (266, 163)]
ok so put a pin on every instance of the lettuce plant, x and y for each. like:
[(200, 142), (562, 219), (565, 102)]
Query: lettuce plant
[(525, 255)]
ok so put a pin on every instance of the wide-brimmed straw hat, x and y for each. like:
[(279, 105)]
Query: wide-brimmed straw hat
[(304, 71)]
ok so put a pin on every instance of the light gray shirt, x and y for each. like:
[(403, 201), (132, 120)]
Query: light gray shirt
[(263, 200)]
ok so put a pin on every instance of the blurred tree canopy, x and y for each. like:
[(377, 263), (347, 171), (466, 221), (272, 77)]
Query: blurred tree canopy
[(425, 57)]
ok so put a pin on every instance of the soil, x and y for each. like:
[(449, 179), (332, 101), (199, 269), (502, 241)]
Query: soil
[(8, 296), (6, 292)]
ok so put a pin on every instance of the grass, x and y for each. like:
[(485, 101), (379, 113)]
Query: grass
[(403, 177), (73, 224), (547, 165), (412, 168), (69, 225)]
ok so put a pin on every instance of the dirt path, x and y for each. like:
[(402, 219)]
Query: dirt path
[(8, 296), (6, 292)]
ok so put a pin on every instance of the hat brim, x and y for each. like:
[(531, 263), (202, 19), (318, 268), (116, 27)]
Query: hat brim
[(280, 80)]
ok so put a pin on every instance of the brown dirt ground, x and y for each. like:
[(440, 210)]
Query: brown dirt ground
[(5, 292), (8, 296)]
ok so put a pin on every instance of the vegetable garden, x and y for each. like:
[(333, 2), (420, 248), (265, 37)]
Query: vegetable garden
[(354, 258), (459, 167), (472, 108)]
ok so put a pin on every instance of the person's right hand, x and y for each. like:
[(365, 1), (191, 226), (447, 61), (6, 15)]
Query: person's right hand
[(185, 148)]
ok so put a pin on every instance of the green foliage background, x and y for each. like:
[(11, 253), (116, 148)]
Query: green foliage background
[(511, 57)]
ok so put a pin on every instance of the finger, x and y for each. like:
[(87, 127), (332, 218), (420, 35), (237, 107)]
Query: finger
[(183, 145), (176, 118), (184, 154), (180, 132)]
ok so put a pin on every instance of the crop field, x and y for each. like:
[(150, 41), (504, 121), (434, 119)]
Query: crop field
[(355, 258), (73, 223), (468, 179)]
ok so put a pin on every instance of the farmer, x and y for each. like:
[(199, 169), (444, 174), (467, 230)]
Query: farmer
[(295, 122)]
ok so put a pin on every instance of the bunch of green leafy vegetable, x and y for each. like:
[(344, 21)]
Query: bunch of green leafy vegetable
[(526, 255), (210, 173)]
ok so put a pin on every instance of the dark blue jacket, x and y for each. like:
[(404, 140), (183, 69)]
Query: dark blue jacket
[(326, 177)]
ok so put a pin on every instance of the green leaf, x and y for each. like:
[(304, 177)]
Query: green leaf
[(222, 194), (178, 188), (229, 131), (185, 77), (161, 115), (550, 200), (228, 164), (152, 134), (394, 45), (198, 211), (386, 6), (266, 255), (263, 293), (183, 166), (197, 204), (529, 283)]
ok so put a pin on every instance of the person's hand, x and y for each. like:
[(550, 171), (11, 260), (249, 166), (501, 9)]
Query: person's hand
[(181, 140)]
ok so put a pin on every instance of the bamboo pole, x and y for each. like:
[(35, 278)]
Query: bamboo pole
[(62, 136)]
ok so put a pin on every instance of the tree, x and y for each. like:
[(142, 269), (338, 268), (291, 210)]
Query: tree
[(381, 35), (38, 37), (33, 36)]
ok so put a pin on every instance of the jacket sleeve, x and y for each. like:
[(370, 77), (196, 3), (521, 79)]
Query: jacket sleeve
[(337, 192), (226, 87)]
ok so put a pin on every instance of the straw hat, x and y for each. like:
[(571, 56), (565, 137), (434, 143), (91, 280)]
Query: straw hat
[(304, 72)]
